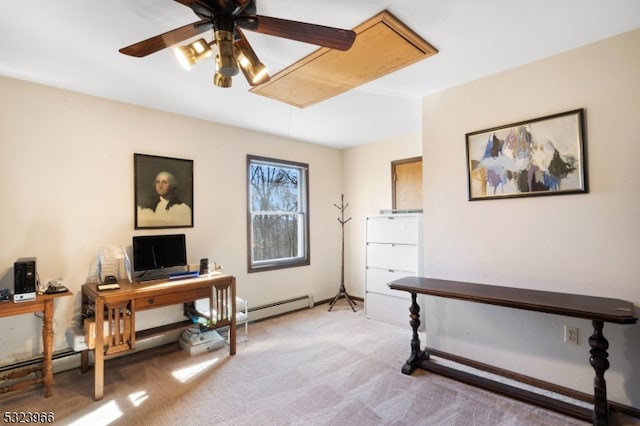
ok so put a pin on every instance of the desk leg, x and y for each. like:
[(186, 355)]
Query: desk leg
[(232, 329), (84, 355), (417, 355), (98, 352), (84, 361), (47, 350), (600, 364)]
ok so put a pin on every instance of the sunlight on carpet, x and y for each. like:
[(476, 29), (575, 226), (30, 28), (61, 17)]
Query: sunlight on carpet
[(137, 398), (187, 373), (102, 416)]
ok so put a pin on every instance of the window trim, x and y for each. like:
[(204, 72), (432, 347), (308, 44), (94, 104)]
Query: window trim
[(280, 264)]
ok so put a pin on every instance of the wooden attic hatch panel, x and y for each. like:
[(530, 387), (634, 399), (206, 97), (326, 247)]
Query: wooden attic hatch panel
[(382, 45)]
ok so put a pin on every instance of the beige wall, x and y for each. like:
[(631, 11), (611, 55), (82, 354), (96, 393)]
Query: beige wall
[(66, 161), (587, 243)]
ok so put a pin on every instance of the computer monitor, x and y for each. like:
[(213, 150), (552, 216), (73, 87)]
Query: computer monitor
[(152, 252)]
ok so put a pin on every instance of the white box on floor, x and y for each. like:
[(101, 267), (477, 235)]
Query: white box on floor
[(76, 339), (206, 341)]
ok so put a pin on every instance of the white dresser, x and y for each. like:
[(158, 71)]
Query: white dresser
[(394, 250)]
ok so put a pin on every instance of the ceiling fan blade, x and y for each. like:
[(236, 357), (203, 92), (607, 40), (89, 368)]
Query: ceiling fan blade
[(334, 38), (159, 42)]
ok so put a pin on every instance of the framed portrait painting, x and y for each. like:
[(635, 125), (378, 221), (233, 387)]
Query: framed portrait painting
[(543, 156), (163, 192)]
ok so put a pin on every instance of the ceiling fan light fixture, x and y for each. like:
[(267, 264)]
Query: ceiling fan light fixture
[(254, 70), (190, 54), (225, 59), (221, 80)]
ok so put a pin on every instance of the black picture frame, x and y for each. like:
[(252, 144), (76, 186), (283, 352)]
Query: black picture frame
[(175, 209), (542, 156)]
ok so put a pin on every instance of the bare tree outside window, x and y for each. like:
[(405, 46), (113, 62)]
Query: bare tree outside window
[(278, 214)]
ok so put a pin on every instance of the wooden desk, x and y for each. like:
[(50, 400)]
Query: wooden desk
[(117, 309), (42, 303), (596, 309)]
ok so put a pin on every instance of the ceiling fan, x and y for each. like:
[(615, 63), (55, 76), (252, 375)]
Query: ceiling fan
[(228, 19)]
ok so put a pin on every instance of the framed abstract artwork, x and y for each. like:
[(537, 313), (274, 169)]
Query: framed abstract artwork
[(543, 156), (163, 192)]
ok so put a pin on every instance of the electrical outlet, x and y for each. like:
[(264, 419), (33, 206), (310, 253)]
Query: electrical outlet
[(571, 335)]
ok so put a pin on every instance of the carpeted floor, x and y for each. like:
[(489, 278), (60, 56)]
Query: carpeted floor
[(311, 367)]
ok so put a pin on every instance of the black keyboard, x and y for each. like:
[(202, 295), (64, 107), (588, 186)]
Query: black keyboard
[(152, 277)]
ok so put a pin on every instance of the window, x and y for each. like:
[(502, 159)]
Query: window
[(278, 214)]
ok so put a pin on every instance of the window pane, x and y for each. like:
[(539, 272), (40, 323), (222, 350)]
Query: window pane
[(276, 237), (277, 219), (274, 188)]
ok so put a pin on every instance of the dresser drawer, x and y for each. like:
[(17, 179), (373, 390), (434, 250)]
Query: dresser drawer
[(397, 257), (393, 229), (377, 280), (173, 298)]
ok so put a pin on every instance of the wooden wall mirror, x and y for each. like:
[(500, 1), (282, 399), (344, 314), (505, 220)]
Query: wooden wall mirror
[(406, 184)]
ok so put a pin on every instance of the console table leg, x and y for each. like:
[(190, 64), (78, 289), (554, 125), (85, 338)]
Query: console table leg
[(600, 364), (417, 354)]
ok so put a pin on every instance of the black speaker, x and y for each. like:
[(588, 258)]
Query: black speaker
[(24, 279), (204, 266)]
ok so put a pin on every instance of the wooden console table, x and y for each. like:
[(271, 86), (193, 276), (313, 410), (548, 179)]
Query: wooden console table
[(114, 313), (597, 309), (43, 303)]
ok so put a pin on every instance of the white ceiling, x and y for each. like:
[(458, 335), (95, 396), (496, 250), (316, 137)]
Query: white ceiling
[(73, 44)]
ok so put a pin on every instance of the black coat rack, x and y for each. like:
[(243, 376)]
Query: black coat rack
[(342, 291)]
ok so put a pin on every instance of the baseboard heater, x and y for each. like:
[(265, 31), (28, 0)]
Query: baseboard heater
[(35, 360), (257, 313)]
